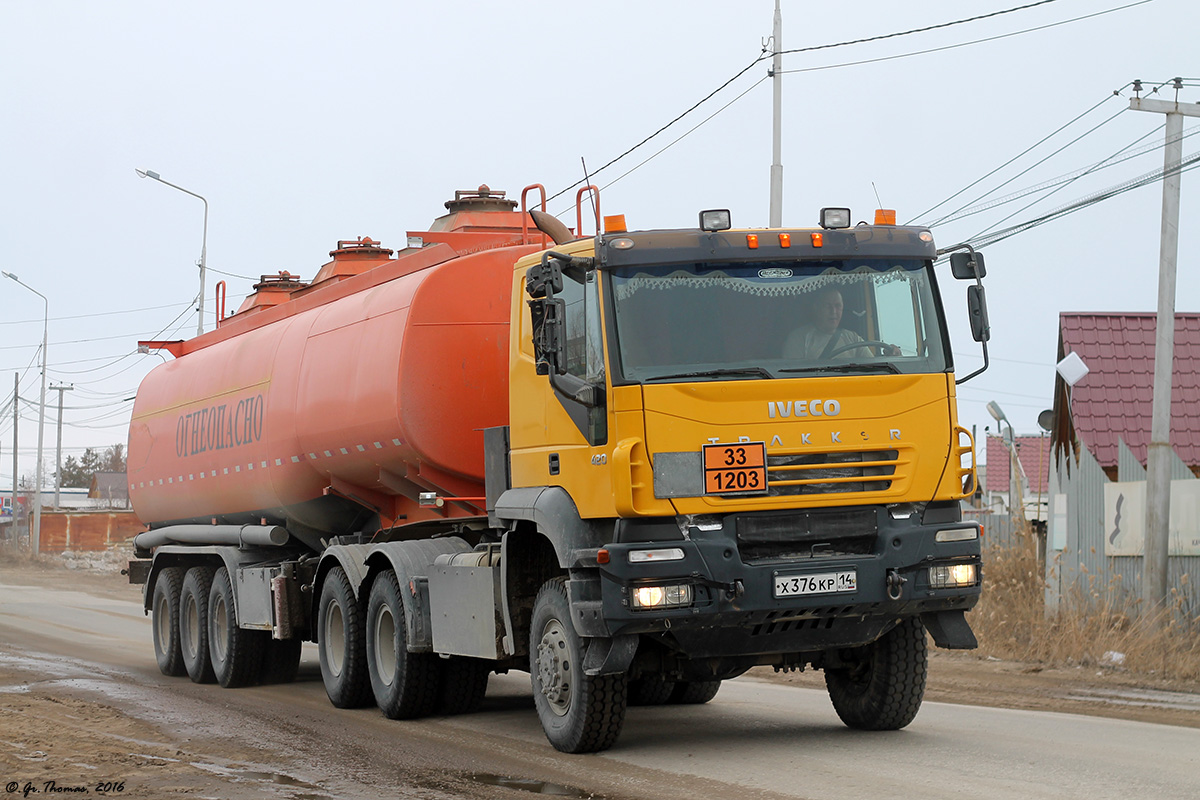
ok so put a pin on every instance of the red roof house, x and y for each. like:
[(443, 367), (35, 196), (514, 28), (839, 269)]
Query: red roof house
[(1112, 403), (1034, 453)]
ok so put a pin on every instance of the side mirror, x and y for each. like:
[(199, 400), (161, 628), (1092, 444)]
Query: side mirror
[(967, 266), (544, 279), (549, 348), (977, 313)]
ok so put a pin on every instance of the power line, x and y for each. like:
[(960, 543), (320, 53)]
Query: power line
[(97, 314)]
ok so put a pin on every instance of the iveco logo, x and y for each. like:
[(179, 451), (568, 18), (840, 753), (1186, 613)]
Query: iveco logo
[(803, 408), (775, 273)]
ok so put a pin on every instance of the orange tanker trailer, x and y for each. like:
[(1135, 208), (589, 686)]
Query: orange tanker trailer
[(634, 464)]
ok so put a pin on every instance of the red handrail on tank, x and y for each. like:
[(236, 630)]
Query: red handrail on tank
[(221, 292), (525, 212), (595, 190)]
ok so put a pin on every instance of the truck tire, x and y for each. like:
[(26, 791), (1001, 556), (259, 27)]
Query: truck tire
[(579, 714), (165, 619), (236, 652), (193, 624), (405, 684), (281, 661), (883, 690), (652, 691), (464, 684), (694, 693), (342, 642)]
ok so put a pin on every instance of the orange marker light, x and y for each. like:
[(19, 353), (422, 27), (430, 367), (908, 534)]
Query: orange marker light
[(602, 556), (615, 224), (752, 241), (785, 240), (818, 239), (885, 216)]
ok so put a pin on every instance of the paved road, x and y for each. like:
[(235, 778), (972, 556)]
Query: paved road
[(756, 740)]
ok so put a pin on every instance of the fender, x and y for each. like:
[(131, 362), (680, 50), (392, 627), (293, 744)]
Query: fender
[(553, 511), (228, 556)]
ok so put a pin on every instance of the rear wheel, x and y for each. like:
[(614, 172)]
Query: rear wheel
[(464, 684), (281, 661), (882, 687), (193, 623), (579, 714), (653, 691), (165, 620), (405, 684), (342, 642), (691, 693), (236, 652)]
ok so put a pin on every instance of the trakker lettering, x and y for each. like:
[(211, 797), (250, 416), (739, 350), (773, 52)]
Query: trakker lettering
[(220, 427), (803, 408)]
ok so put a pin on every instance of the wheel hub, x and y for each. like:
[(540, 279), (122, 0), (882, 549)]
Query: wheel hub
[(554, 667)]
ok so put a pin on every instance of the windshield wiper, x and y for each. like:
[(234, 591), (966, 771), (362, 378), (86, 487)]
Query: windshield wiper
[(868, 366), (760, 372)]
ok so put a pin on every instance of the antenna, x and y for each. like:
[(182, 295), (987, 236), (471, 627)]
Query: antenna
[(876, 191)]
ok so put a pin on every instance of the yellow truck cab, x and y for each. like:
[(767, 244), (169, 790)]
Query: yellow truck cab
[(744, 446)]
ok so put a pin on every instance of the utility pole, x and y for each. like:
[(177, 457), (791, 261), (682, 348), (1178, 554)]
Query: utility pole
[(776, 73), (16, 420), (58, 453), (1158, 454)]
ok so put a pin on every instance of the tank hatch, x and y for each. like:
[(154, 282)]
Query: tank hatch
[(352, 257), (482, 209), (272, 290)]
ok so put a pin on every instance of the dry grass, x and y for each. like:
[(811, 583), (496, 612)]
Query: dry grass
[(1091, 624)]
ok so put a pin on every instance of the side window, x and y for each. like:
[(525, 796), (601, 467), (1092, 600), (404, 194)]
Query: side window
[(575, 316), (585, 350)]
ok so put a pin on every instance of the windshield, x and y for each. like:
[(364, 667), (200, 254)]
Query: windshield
[(776, 320)]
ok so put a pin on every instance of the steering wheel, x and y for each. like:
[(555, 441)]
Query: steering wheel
[(853, 345)]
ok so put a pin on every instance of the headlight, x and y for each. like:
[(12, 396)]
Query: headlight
[(952, 576), (670, 596)]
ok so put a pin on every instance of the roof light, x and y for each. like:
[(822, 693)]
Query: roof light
[(752, 241), (885, 216), (835, 218), (785, 240), (624, 243), (716, 219), (818, 240), (615, 224)]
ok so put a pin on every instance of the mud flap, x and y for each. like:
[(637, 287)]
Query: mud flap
[(950, 630), (609, 656)]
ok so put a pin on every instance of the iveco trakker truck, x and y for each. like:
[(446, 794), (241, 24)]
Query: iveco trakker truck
[(634, 464)]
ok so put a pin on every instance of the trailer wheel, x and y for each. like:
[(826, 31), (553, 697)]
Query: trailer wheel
[(281, 661), (579, 714), (882, 691), (653, 691), (691, 693), (165, 619), (236, 652), (464, 684), (342, 642), (193, 624), (405, 684)]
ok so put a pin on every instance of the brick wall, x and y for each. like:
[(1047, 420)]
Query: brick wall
[(87, 530)]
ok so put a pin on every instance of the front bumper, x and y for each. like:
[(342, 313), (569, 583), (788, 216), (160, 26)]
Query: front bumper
[(734, 609)]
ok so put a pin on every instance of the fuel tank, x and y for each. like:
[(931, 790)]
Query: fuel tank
[(329, 411)]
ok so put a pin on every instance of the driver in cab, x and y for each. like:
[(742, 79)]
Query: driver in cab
[(823, 338)]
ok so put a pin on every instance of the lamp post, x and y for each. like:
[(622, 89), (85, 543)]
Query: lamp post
[(146, 173), (1015, 471), (35, 536)]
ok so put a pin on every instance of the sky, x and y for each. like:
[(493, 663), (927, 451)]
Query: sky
[(303, 123)]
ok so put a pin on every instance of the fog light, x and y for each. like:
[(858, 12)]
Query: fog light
[(952, 576), (663, 554), (671, 596)]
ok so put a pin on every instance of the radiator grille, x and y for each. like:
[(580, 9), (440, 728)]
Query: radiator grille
[(831, 473), (826, 533)]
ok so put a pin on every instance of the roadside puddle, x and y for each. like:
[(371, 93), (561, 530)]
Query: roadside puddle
[(527, 785)]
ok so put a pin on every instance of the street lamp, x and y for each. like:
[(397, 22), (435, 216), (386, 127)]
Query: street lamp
[(1015, 471), (147, 173), (35, 536)]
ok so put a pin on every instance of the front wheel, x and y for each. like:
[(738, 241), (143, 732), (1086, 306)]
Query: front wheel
[(579, 714), (882, 686)]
